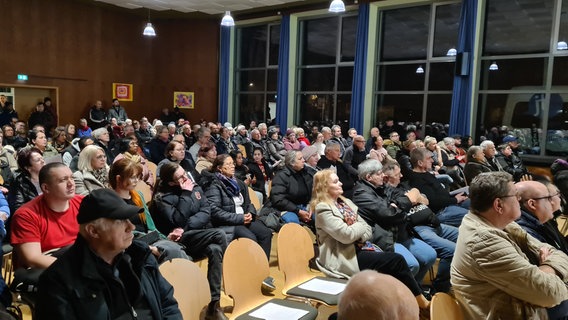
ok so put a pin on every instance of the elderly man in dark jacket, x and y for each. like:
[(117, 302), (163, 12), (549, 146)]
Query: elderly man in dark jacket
[(105, 275)]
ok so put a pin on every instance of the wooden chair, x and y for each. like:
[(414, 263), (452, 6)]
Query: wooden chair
[(445, 307), (7, 264), (152, 167), (242, 149), (244, 268), (254, 199), (295, 249), (145, 189), (191, 288)]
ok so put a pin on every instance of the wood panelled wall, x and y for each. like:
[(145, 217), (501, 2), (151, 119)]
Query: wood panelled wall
[(83, 48)]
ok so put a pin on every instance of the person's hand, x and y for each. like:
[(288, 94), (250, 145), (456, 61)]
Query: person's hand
[(304, 216), (3, 216), (526, 177), (414, 195), (248, 218), (460, 197), (544, 253), (155, 251), (176, 234), (186, 184), (4, 190)]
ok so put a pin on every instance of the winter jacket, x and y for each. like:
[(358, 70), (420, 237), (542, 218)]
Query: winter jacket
[(345, 176), (74, 288), (474, 168), (22, 190), (429, 185), (85, 182), (118, 113), (290, 189), (275, 149)]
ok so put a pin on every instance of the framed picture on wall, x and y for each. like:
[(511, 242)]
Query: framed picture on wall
[(122, 91), (184, 99)]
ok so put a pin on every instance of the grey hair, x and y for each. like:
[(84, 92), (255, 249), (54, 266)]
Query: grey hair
[(486, 187), (290, 158), (98, 132), (331, 145), (485, 144), (262, 126), (368, 167), (325, 129), (448, 140)]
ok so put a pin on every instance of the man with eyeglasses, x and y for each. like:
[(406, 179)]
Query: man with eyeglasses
[(498, 271)]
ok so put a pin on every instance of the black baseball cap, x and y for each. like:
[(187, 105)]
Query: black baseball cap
[(105, 203)]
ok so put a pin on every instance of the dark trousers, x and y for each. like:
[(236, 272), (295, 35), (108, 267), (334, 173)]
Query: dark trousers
[(210, 243), (388, 263), (257, 232)]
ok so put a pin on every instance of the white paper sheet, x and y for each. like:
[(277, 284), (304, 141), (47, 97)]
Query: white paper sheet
[(274, 311), (323, 286)]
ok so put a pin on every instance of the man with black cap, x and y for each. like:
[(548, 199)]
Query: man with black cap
[(105, 275)]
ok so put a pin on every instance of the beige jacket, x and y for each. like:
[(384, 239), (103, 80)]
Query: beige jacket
[(337, 256), (493, 277)]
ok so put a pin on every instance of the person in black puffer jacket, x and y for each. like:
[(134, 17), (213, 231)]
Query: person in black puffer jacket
[(560, 171)]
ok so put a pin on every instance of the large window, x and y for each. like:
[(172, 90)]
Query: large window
[(325, 72), (523, 81), (415, 64), (256, 72)]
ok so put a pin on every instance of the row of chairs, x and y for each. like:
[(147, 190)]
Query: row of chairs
[(245, 266)]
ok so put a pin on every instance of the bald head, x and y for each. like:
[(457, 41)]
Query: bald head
[(366, 297), (535, 199)]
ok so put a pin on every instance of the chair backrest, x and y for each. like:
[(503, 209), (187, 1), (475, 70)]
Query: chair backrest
[(295, 249), (443, 307), (254, 198), (152, 167), (145, 189), (244, 268), (242, 149), (191, 288)]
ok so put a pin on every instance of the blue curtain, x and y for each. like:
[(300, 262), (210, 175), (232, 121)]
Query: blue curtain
[(283, 66), (359, 70), (463, 85), (224, 74)]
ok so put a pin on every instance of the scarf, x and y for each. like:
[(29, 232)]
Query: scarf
[(230, 183), (349, 215), (101, 175), (144, 216), (132, 157)]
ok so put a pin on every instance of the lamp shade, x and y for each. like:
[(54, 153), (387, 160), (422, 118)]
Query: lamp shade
[(562, 45), (494, 66), (337, 6), (227, 20), (149, 30), (420, 69)]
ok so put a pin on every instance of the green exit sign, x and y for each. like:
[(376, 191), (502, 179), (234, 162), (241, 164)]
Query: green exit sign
[(23, 77)]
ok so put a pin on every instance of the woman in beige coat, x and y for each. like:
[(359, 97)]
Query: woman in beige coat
[(343, 238)]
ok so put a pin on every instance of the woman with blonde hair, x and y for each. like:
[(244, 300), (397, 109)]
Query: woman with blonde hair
[(92, 170), (343, 238)]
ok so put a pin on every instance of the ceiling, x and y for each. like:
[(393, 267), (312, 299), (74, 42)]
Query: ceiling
[(209, 7)]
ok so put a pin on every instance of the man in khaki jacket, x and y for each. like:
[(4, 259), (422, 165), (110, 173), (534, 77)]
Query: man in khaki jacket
[(498, 270)]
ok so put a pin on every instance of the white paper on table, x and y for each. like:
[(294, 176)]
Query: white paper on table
[(323, 286), (275, 311)]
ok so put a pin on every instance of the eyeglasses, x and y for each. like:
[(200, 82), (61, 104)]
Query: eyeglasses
[(548, 197), (512, 195)]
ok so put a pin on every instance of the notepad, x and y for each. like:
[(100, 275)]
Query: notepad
[(275, 311), (323, 286)]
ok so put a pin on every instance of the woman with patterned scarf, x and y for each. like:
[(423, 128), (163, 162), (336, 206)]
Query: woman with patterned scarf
[(93, 170), (128, 148), (343, 238)]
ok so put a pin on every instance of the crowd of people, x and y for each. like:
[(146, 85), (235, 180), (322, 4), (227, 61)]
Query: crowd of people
[(393, 203)]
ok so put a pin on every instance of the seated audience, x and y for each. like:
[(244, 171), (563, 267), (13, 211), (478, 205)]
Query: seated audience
[(511, 163), (498, 271), (119, 276), (48, 222), (157, 146), (70, 131), (261, 171), (425, 223), (355, 154), (231, 209), (378, 152), (92, 170), (59, 140), (182, 212), (102, 139), (38, 140), (225, 144), (8, 163), (128, 148), (203, 136), (290, 141), (343, 238), (84, 130), (275, 146), (301, 137), (26, 185), (205, 157), (242, 171), (449, 209), (291, 189), (175, 152), (476, 164), (489, 151), (332, 159), (385, 208), (311, 159), (364, 297)]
